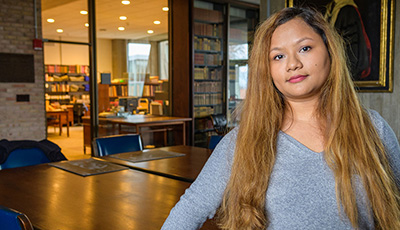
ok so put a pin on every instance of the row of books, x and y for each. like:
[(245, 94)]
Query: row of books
[(149, 91), (65, 87), (207, 44), (208, 15), (211, 30), (118, 91), (207, 74), (206, 111), (75, 69), (65, 77), (207, 99), (57, 97), (200, 87), (207, 59)]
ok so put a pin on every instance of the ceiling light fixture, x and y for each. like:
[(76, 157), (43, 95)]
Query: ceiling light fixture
[(157, 22), (121, 28), (123, 18), (126, 2), (165, 8), (150, 31), (86, 24), (50, 20), (60, 30), (83, 12)]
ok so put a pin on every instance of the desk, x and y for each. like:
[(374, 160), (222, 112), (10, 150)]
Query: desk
[(184, 168), (60, 114), (113, 126), (56, 199)]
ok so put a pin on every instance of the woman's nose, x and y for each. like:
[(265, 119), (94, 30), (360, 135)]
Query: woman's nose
[(294, 63)]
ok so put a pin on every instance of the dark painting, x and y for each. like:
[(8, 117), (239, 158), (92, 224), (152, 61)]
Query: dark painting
[(367, 29)]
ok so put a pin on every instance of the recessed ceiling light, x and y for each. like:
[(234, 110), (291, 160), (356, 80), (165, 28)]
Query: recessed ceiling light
[(60, 30), (126, 2), (86, 24), (157, 22), (84, 12), (150, 31), (123, 18), (121, 28), (50, 20), (165, 8)]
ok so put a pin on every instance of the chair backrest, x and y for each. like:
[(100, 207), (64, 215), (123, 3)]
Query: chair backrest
[(25, 157), (214, 140), (104, 146), (13, 220), (219, 123)]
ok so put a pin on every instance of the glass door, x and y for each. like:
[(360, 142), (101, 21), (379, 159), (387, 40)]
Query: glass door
[(242, 23)]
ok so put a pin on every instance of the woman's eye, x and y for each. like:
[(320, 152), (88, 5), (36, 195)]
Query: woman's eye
[(277, 57), (305, 49)]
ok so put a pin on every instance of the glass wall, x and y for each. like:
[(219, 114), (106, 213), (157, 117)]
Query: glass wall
[(242, 23)]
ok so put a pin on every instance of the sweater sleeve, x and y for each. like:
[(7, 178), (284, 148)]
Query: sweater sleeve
[(204, 196), (390, 142)]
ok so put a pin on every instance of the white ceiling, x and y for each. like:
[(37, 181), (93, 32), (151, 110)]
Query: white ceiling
[(140, 13)]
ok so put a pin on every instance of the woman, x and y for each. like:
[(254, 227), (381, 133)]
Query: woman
[(306, 154)]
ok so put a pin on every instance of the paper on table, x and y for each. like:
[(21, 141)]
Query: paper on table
[(87, 167), (146, 155)]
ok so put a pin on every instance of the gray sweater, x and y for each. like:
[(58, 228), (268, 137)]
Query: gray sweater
[(301, 194)]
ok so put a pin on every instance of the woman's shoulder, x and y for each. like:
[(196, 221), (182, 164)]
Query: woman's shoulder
[(377, 120), (382, 127)]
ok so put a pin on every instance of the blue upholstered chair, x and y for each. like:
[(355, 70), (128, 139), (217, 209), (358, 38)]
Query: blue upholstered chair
[(214, 140), (27, 152), (25, 157), (13, 220), (104, 146)]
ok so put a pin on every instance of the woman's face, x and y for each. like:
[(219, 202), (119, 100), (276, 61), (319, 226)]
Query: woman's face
[(299, 60)]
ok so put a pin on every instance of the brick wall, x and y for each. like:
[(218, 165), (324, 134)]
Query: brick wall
[(21, 120)]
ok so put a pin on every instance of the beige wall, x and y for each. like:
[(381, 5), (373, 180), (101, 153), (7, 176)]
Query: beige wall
[(70, 54)]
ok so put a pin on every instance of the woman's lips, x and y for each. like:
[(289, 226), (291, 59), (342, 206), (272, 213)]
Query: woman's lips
[(297, 78)]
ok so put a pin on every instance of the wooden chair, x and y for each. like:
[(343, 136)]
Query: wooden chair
[(104, 146), (11, 219)]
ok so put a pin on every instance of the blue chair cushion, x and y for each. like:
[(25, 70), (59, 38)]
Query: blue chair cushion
[(9, 219), (25, 157), (118, 144), (214, 140)]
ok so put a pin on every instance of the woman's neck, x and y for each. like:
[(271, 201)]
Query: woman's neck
[(304, 110)]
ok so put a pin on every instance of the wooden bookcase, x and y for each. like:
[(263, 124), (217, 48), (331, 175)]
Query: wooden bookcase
[(63, 82), (200, 82)]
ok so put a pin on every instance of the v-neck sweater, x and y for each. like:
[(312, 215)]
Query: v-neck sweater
[(301, 192)]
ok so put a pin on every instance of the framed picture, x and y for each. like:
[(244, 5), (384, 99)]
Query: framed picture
[(370, 53)]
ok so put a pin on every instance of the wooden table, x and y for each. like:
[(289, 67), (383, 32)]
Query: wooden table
[(184, 168), (60, 114), (113, 126), (56, 199)]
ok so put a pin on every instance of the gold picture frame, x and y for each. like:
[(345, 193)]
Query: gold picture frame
[(375, 16)]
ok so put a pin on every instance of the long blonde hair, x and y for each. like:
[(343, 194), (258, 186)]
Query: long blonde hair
[(352, 145)]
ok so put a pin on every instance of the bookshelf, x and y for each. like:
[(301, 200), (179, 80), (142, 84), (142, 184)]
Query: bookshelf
[(209, 67), (122, 90), (65, 82), (221, 38), (116, 90)]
